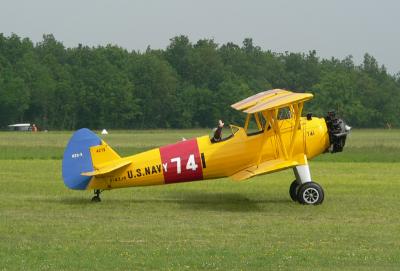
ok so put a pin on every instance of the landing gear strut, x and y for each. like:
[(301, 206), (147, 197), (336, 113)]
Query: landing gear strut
[(96, 197)]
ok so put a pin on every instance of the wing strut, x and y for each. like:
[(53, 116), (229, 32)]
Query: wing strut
[(272, 117), (297, 108), (273, 120)]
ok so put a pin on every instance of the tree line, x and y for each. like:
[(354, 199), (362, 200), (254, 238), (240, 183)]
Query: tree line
[(185, 85)]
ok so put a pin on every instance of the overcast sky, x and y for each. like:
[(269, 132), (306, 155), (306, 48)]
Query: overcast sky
[(333, 28)]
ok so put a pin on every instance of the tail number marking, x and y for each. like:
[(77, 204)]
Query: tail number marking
[(76, 155)]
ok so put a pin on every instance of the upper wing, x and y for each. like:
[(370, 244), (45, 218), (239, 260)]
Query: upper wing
[(259, 97), (280, 101), (270, 99)]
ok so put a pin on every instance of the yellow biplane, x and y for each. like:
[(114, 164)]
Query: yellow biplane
[(274, 137)]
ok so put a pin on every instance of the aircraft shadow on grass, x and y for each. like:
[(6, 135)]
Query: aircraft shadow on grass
[(233, 202), (193, 200)]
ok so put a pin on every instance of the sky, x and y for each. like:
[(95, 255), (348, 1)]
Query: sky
[(333, 28)]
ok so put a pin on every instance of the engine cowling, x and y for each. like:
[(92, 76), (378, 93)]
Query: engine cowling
[(338, 131)]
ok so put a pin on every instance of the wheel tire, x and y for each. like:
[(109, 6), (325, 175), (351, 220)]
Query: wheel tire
[(294, 187), (96, 199), (310, 194)]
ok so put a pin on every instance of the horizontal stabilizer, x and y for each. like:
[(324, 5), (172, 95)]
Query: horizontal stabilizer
[(263, 168), (106, 169)]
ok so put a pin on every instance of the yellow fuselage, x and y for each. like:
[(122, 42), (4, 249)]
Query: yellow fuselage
[(199, 158)]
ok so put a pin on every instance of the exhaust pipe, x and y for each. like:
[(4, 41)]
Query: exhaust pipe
[(338, 131)]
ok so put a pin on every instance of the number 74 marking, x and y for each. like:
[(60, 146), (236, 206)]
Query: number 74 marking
[(191, 163)]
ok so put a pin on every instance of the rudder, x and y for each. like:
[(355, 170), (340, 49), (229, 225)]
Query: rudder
[(77, 159)]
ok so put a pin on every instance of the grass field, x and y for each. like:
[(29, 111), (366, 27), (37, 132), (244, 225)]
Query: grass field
[(210, 225)]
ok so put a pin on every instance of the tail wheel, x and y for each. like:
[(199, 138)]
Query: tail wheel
[(310, 193), (96, 199), (294, 187)]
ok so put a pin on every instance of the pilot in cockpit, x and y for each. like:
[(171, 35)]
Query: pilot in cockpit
[(218, 132)]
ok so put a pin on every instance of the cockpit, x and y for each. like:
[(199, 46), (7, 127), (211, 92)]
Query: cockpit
[(255, 124)]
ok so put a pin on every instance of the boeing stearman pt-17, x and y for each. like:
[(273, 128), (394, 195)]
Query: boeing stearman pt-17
[(275, 137)]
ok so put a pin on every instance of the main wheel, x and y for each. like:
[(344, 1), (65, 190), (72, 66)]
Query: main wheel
[(310, 193), (294, 187)]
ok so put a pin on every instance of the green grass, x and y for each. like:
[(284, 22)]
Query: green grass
[(210, 225), (368, 146), (25, 145)]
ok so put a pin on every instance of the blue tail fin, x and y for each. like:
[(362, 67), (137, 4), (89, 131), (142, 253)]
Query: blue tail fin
[(77, 159)]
